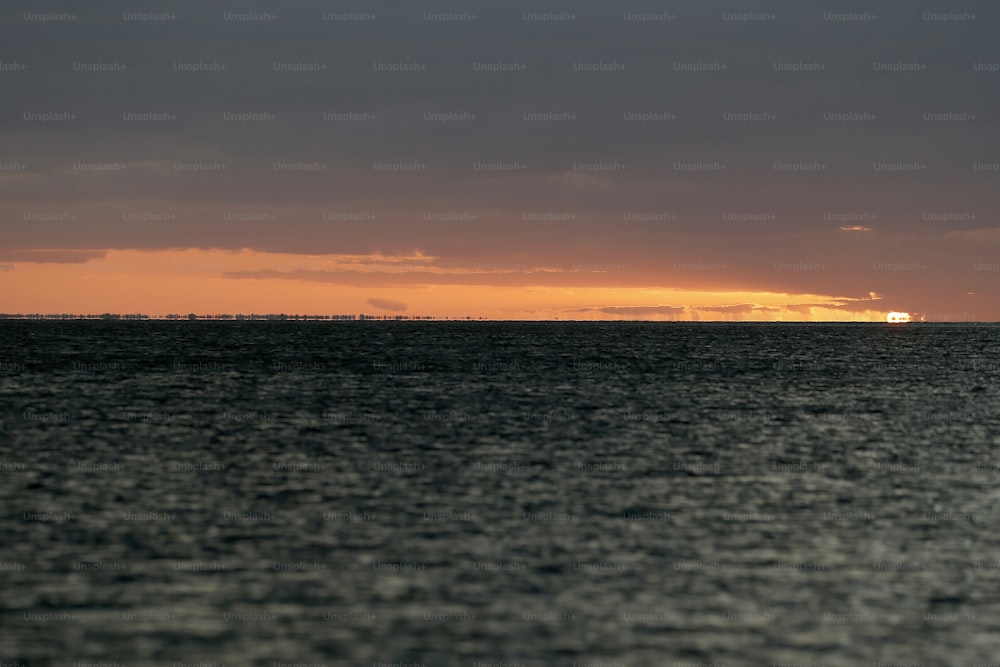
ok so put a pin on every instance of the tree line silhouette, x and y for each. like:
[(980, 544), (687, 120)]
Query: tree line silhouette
[(239, 317)]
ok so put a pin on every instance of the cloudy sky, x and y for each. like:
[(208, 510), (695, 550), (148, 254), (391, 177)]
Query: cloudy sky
[(578, 160)]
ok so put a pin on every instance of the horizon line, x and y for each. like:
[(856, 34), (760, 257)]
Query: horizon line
[(365, 317)]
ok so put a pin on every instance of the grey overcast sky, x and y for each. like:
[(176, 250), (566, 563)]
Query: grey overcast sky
[(424, 155)]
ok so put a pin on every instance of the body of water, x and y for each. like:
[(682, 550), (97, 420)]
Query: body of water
[(454, 493)]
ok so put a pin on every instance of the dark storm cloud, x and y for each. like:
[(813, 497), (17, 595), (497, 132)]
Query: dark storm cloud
[(691, 186)]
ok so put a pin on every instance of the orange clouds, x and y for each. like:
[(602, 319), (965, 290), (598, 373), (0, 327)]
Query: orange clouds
[(217, 281)]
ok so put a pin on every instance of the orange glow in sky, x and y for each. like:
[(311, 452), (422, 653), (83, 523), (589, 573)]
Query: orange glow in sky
[(217, 281)]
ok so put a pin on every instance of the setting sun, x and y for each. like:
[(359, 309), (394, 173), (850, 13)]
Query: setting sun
[(897, 318)]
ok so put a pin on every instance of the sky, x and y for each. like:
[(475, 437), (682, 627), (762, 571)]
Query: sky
[(707, 160)]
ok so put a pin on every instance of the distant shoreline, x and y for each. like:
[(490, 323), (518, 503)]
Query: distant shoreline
[(408, 318)]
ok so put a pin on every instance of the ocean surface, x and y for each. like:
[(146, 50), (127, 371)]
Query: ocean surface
[(483, 493)]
